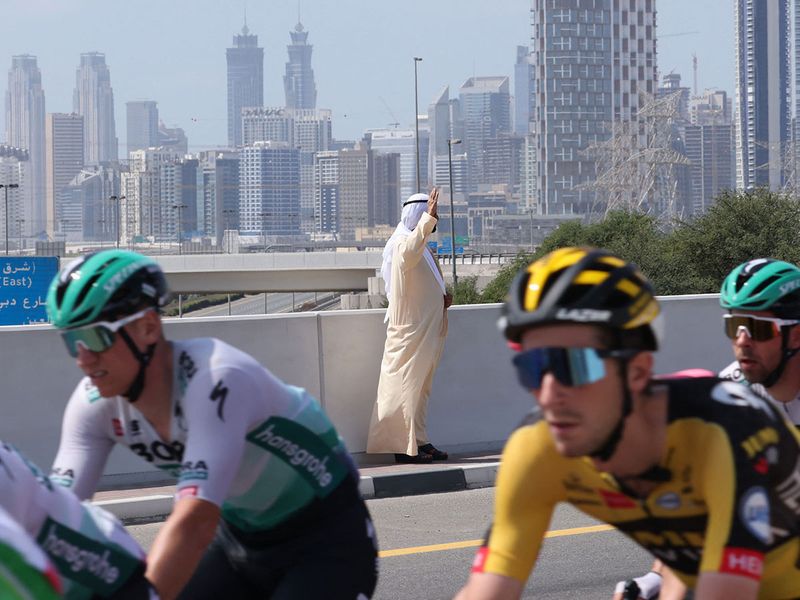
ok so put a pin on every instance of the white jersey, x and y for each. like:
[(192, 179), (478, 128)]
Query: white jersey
[(90, 548), (239, 437), (792, 408)]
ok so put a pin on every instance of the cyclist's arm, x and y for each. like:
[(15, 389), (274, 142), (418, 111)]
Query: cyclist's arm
[(490, 586), (84, 447), (219, 408), (180, 545), (721, 586), (522, 513)]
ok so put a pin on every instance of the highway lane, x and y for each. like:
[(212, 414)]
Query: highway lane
[(580, 562), (255, 305)]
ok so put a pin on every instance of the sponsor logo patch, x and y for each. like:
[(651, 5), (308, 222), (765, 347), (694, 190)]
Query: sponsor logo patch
[(117, 425), (754, 513), (101, 568), (740, 561), (669, 501)]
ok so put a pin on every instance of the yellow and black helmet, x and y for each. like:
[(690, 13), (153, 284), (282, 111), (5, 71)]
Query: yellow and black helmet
[(585, 286)]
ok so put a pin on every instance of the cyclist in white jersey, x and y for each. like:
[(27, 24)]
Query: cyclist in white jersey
[(93, 553), (763, 300), (267, 501), (25, 571)]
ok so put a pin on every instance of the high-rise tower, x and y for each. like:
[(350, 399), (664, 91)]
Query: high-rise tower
[(142, 124), (25, 112), (301, 91), (245, 81), (763, 92), (93, 99)]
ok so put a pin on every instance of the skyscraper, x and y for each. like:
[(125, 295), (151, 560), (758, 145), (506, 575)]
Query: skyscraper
[(25, 113), (763, 92), (142, 124), (486, 110), (64, 160), (592, 59), (245, 81), (523, 91), (298, 83), (269, 184), (93, 99)]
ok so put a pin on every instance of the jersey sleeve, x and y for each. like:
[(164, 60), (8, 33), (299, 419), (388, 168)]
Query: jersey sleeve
[(739, 459), (218, 414), (85, 445), (524, 501)]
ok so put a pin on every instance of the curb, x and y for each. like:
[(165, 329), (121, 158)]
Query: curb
[(140, 509)]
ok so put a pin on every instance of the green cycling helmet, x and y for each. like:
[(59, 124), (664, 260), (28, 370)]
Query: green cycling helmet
[(104, 286), (763, 284)]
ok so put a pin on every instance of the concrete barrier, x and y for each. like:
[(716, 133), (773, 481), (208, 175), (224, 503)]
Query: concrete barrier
[(475, 402)]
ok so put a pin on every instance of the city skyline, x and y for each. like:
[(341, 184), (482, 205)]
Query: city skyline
[(362, 76)]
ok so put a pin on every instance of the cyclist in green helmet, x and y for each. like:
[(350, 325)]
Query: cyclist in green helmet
[(763, 301), (267, 501)]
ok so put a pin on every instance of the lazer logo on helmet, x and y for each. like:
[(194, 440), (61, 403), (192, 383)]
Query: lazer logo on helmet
[(584, 315)]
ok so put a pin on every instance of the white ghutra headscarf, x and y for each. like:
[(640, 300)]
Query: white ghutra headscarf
[(413, 209)]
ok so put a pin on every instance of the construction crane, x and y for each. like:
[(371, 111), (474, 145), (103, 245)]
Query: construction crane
[(395, 123)]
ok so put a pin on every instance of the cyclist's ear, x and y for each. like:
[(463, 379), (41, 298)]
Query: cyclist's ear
[(149, 328), (794, 337), (640, 371)]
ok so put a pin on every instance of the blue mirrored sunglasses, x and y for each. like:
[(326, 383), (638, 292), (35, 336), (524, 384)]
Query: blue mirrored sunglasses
[(99, 336), (570, 366)]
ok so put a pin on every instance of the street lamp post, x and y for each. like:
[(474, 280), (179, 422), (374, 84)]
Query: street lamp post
[(417, 59), (118, 200), (5, 186), (20, 222), (179, 208), (452, 214)]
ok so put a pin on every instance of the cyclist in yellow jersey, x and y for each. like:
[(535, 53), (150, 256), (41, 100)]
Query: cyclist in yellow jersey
[(701, 472)]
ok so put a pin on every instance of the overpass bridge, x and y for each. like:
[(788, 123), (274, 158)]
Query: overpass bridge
[(294, 271)]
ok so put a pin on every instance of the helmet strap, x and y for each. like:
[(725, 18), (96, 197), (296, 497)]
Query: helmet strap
[(786, 354), (607, 449), (143, 358)]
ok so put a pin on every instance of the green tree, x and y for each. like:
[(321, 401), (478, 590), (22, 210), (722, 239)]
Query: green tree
[(738, 227)]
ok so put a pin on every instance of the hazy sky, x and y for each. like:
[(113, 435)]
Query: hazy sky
[(173, 51)]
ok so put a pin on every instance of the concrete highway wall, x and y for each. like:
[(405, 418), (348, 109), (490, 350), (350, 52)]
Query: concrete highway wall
[(475, 402)]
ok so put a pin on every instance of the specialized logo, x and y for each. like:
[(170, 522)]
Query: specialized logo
[(583, 315), (790, 286), (219, 393), (116, 280), (100, 568), (741, 561), (302, 450), (669, 501)]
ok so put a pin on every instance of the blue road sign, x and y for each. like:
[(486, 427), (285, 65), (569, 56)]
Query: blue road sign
[(23, 288)]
